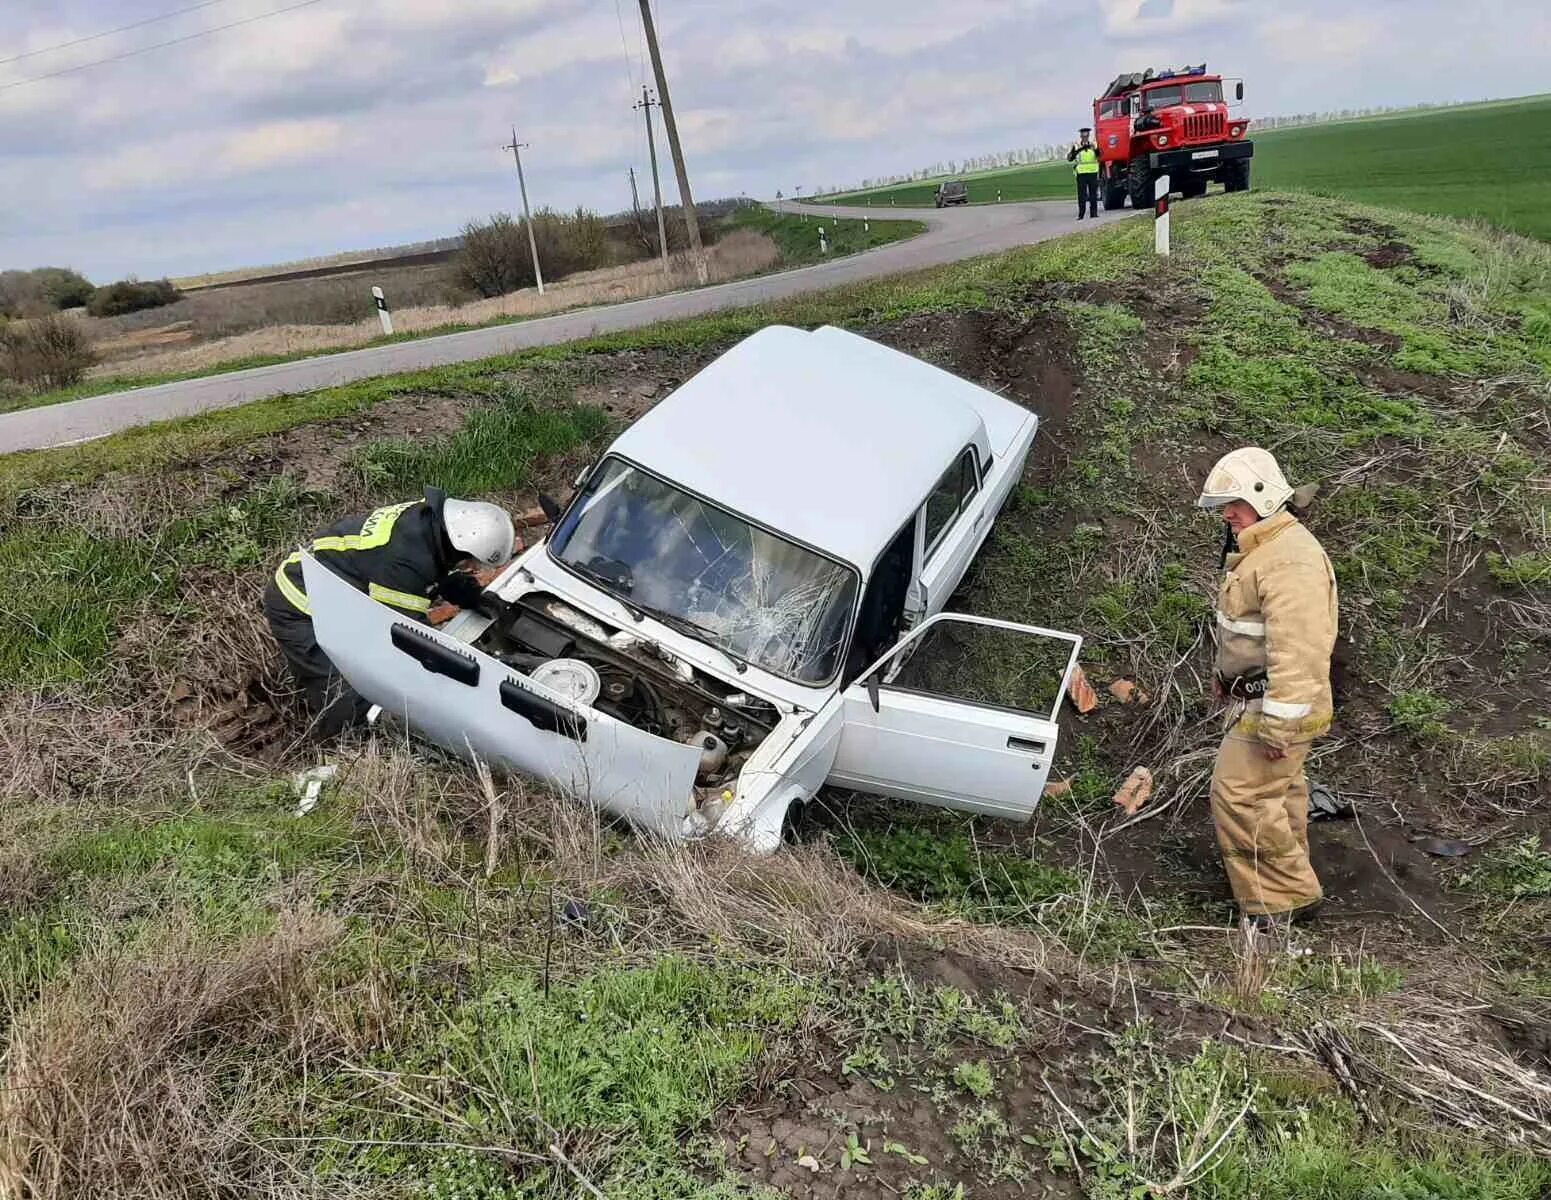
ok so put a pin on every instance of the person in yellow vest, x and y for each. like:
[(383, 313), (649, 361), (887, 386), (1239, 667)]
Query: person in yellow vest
[(408, 556), (1084, 157), (1276, 629)]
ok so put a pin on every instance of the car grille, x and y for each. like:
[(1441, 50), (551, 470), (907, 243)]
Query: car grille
[(1204, 125)]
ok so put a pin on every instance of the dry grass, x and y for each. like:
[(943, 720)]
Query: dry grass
[(737, 255), (144, 1075)]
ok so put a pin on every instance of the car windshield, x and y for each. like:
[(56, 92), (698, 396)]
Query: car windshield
[(752, 594)]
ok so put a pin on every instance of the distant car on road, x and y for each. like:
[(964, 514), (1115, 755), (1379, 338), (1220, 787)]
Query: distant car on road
[(952, 192)]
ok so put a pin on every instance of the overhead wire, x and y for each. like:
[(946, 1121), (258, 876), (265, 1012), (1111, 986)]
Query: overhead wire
[(95, 37), (624, 47), (5, 87)]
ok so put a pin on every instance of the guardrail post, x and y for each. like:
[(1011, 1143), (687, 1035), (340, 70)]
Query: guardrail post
[(383, 314)]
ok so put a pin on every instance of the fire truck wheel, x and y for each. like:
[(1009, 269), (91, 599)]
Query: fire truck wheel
[(1236, 176), (1139, 183), (1193, 186), (1114, 195)]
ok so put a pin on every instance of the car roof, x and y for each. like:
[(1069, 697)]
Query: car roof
[(827, 437)]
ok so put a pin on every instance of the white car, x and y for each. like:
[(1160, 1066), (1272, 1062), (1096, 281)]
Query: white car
[(743, 604)]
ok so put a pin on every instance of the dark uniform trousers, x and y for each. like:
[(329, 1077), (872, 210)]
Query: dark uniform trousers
[(1088, 194), (394, 554)]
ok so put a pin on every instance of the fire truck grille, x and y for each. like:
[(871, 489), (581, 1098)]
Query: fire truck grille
[(1204, 125)]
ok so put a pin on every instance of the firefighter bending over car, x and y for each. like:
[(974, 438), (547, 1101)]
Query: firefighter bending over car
[(1276, 629), (1084, 157), (408, 556)]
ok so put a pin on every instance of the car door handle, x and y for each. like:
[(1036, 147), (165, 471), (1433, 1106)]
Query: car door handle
[(541, 713), (1025, 745), (435, 657)]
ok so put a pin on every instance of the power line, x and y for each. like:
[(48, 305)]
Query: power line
[(624, 47), (81, 41), (4, 87)]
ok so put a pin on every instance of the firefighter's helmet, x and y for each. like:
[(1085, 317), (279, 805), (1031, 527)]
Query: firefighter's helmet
[(480, 530), (1249, 474)]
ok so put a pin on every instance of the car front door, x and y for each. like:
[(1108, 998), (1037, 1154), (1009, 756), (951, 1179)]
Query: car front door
[(960, 714), (954, 518)]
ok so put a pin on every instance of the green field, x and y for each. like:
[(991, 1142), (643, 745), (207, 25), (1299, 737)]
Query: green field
[(1491, 161)]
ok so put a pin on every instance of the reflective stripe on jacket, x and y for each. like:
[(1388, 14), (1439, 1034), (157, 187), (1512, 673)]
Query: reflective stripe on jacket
[(1276, 614), (394, 554), (1087, 161)]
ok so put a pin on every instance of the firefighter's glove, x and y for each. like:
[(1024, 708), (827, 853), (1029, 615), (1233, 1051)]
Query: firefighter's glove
[(460, 588)]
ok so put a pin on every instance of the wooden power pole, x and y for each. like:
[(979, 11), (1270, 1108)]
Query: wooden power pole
[(517, 148), (685, 198), (646, 106)]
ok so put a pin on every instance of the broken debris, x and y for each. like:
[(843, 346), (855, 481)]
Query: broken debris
[(1058, 787), (1135, 791), (309, 784), (1126, 691), (1080, 692)]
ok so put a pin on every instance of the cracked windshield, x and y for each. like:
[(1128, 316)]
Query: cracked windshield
[(754, 595)]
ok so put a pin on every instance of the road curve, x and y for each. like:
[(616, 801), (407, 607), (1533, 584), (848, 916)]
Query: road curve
[(952, 234)]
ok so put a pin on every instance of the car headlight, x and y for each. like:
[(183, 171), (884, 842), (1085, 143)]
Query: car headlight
[(1162, 139)]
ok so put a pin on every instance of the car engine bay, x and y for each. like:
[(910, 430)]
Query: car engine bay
[(633, 680)]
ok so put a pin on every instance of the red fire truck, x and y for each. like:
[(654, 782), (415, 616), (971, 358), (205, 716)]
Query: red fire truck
[(1170, 122)]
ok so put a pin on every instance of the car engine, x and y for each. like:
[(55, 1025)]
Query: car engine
[(633, 680)]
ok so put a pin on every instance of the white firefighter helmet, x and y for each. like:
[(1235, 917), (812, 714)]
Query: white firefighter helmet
[(480, 530), (1249, 474)]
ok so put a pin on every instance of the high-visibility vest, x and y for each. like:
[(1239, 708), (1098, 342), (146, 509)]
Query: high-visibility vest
[(1087, 161)]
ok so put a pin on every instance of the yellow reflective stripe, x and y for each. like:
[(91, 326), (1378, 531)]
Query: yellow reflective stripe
[(288, 588), (398, 599), (375, 530)]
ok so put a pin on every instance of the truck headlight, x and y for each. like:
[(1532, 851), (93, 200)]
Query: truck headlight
[(1162, 139), (1238, 131)]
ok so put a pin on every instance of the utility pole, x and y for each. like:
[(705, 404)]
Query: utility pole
[(688, 201), (646, 106), (517, 148), (635, 198)]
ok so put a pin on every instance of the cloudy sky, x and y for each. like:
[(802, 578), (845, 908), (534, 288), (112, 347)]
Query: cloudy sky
[(350, 124)]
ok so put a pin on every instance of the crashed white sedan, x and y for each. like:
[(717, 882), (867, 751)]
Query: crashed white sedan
[(743, 604)]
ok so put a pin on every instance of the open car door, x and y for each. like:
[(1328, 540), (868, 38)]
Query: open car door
[(961, 713), (474, 704)]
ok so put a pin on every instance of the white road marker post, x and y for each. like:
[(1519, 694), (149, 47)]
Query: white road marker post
[(823, 241), (383, 314), (1160, 224)]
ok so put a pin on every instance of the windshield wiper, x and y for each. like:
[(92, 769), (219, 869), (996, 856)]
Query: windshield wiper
[(609, 585), (694, 629)]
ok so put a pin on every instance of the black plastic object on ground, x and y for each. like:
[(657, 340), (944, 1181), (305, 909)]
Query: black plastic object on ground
[(1325, 805)]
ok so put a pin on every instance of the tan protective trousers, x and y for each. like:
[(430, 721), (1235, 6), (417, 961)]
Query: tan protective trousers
[(1261, 810)]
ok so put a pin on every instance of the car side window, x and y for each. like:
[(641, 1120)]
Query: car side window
[(952, 494)]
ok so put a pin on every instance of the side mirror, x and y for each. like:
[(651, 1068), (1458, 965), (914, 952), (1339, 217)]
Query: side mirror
[(1238, 90), (872, 688), (551, 507)]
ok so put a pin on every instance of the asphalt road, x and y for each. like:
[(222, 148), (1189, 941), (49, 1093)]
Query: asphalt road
[(953, 234)]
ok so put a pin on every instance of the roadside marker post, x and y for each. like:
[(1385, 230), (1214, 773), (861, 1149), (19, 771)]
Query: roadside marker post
[(383, 314), (823, 241), (998, 195), (1160, 224)]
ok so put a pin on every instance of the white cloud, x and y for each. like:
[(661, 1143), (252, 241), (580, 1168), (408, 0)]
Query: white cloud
[(278, 142)]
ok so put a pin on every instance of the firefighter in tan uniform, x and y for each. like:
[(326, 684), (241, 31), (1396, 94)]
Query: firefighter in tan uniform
[(1276, 628)]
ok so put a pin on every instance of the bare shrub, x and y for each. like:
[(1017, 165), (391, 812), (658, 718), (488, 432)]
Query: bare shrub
[(145, 1076), (496, 258), (131, 295), (42, 290), (48, 352)]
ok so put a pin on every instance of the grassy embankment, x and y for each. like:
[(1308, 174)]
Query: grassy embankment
[(1488, 161), (796, 238), (205, 995)]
